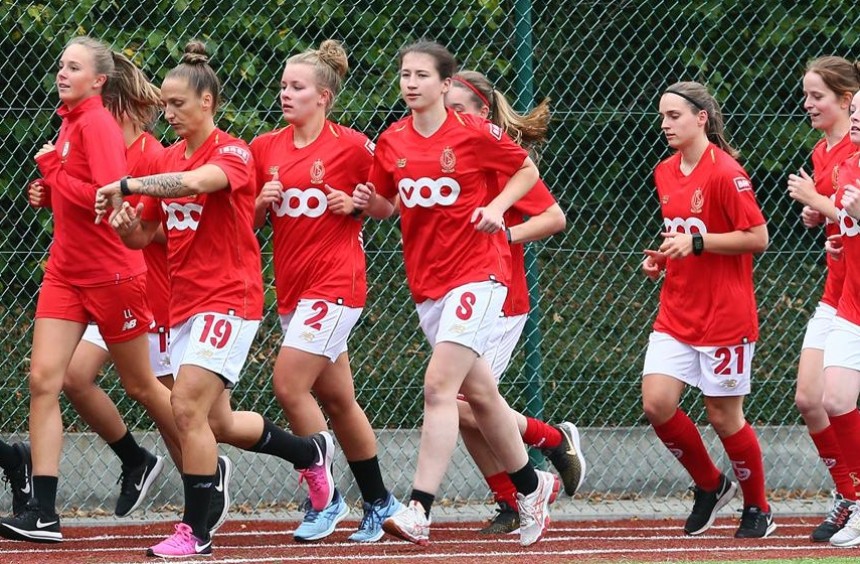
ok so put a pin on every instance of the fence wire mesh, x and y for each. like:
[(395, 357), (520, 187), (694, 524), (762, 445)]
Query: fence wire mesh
[(602, 63)]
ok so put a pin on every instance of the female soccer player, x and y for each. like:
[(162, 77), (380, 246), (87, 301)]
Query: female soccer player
[(457, 264), (472, 93), (707, 324), (90, 275), (828, 86), (320, 274), (204, 199), (134, 102), (841, 361)]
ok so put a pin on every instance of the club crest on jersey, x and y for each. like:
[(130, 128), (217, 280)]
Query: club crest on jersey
[(66, 148), (370, 146), (697, 201), (665, 199), (317, 172), (742, 184), (401, 163), (273, 170), (448, 160), (495, 131)]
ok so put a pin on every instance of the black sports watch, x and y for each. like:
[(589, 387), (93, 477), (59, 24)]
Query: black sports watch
[(698, 244), (123, 186)]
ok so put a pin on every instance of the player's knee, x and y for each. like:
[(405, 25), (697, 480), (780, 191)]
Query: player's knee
[(805, 402), (837, 404), (658, 410), (75, 385), (44, 381), (186, 413)]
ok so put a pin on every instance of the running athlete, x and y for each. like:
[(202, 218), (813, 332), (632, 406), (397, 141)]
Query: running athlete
[(707, 323), (457, 265), (472, 93), (204, 199), (305, 176), (828, 85), (841, 348), (134, 102), (90, 276)]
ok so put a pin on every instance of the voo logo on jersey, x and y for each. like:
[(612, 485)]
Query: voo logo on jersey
[(427, 192), (296, 203), (847, 224), (684, 225), (182, 216)]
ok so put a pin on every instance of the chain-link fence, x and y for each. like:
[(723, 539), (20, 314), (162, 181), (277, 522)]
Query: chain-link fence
[(603, 64)]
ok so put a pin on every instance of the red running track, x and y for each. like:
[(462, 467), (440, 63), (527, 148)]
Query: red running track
[(245, 542)]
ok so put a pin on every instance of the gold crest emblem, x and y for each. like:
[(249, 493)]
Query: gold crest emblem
[(317, 172), (448, 160), (697, 201), (401, 163), (665, 199), (307, 336)]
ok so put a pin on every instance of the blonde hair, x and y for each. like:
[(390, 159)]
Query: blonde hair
[(330, 65), (697, 97), (129, 93), (528, 129)]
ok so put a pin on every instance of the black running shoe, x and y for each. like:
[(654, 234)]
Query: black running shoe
[(707, 503), (755, 524), (135, 483), (32, 525), (567, 458), (219, 507), (506, 520), (840, 512), (20, 479)]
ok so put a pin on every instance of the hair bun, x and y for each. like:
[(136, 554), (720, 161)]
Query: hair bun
[(332, 53), (195, 53)]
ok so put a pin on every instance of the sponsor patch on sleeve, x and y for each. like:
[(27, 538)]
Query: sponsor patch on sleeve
[(370, 146), (743, 184), (236, 150), (495, 131)]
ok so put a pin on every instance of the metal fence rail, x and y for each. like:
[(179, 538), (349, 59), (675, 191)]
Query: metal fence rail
[(603, 64)]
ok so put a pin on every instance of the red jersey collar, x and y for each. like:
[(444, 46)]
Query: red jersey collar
[(88, 104)]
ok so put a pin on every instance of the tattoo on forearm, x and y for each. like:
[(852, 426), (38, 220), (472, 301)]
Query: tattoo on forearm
[(162, 185)]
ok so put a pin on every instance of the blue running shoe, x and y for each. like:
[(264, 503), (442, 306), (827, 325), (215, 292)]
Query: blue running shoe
[(320, 524), (370, 528)]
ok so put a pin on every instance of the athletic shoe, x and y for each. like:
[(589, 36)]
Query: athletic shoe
[(20, 479), (181, 543), (534, 509), (320, 524), (32, 524), (409, 524), (849, 535), (135, 483), (219, 506), (318, 475), (840, 512), (755, 524), (707, 503), (370, 528), (506, 520), (567, 458)]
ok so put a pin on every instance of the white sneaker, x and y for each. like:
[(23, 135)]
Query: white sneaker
[(849, 535), (409, 524), (534, 509)]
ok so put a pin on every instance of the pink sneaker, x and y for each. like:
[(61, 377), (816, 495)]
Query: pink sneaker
[(181, 543), (318, 475)]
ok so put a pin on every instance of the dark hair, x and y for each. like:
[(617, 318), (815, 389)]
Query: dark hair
[(839, 75), (330, 65), (195, 68), (446, 64), (697, 97), (130, 93), (527, 129)]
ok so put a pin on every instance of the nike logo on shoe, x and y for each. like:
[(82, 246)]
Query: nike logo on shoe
[(40, 525), (139, 485), (321, 457), (26, 488), (202, 547), (220, 487)]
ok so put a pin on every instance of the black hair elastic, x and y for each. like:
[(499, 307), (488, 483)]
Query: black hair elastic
[(687, 98)]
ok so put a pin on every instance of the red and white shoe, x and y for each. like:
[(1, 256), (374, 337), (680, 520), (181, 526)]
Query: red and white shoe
[(534, 509), (410, 524)]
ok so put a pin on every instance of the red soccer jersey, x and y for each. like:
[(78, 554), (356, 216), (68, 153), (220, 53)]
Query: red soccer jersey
[(849, 303), (823, 164), (535, 202), (441, 179), (140, 156), (708, 300), (318, 255), (90, 153), (213, 255)]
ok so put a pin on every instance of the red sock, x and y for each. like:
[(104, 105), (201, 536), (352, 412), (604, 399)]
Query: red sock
[(847, 430), (827, 444), (683, 439), (745, 455), (503, 488), (541, 435)]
